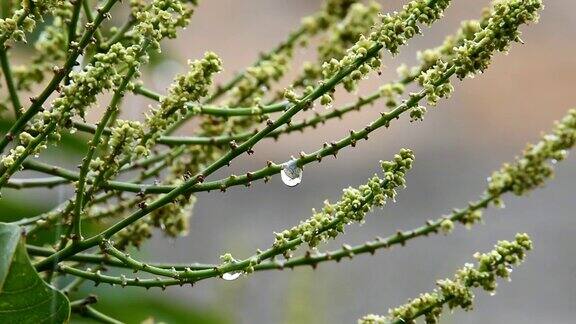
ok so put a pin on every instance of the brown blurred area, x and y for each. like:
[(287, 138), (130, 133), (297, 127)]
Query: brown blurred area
[(487, 122)]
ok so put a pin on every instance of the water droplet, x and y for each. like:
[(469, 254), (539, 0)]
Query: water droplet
[(493, 293), (554, 161), (72, 130), (328, 106), (291, 173), (229, 276)]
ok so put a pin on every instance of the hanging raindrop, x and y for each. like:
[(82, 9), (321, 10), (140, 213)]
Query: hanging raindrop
[(229, 276), (291, 173)]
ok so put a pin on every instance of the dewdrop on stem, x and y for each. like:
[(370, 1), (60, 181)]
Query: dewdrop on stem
[(291, 173), (230, 276)]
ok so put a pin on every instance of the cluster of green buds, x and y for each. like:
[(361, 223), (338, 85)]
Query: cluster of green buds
[(497, 31), (435, 83), (162, 20), (51, 48), (501, 29), (457, 292), (24, 19), (358, 21), (353, 206), (429, 58), (184, 91), (533, 168), (257, 79), (124, 137), (393, 31)]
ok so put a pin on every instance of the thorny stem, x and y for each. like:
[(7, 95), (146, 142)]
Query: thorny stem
[(90, 18), (72, 28), (83, 308), (181, 274)]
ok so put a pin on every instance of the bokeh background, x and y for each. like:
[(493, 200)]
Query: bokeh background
[(488, 121)]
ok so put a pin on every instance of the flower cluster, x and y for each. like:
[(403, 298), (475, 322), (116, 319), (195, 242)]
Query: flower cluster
[(474, 55), (435, 83), (533, 168), (124, 137), (353, 206), (358, 21), (162, 20), (51, 47), (502, 29), (24, 19), (393, 31), (257, 79), (457, 292), (186, 89)]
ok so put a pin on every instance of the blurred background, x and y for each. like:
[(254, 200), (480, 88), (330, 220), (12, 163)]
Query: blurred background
[(487, 122)]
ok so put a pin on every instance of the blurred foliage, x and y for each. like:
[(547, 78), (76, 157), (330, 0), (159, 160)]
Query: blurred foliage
[(134, 306)]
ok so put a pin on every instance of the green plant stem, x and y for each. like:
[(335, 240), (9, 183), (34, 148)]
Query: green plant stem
[(105, 259), (72, 27), (17, 106), (399, 238), (37, 103), (257, 111), (81, 308), (263, 173), (188, 275), (179, 275), (90, 18), (48, 182)]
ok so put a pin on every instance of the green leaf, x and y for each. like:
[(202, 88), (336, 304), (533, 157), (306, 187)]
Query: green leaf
[(24, 296)]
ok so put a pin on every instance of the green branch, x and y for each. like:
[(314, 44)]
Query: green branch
[(17, 106)]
